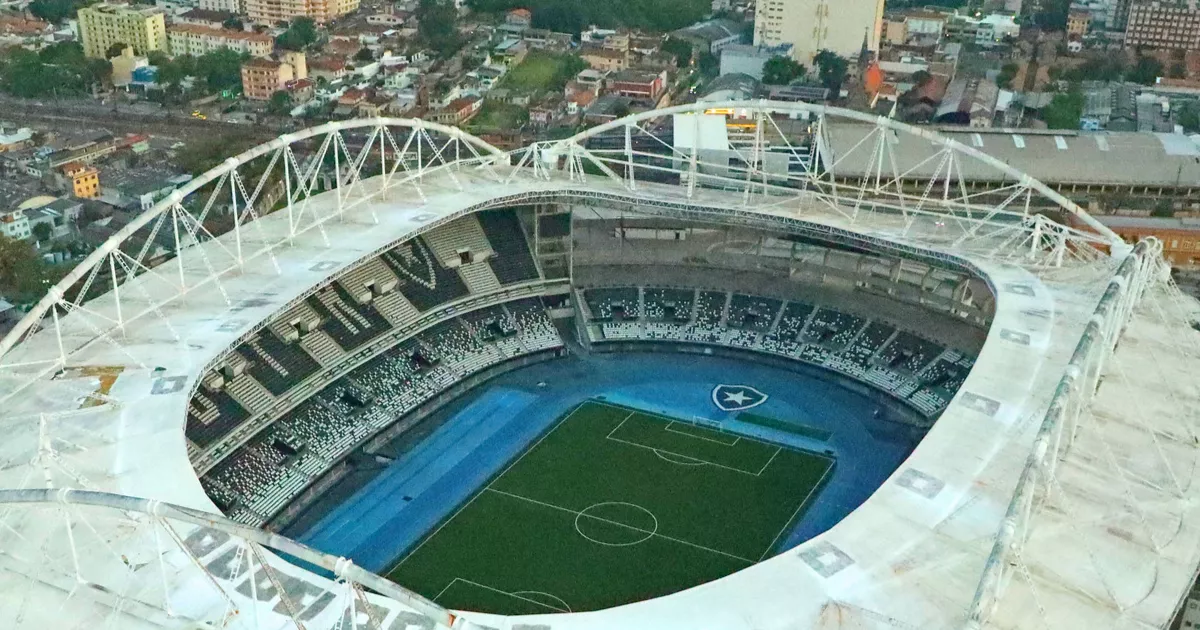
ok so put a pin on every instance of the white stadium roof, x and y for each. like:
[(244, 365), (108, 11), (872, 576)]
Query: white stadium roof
[(1032, 503)]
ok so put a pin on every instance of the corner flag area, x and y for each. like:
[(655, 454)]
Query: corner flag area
[(614, 505)]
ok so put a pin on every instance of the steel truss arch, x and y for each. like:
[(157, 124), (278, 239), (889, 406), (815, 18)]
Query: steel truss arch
[(954, 205)]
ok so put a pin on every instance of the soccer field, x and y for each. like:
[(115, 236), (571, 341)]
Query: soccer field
[(614, 505)]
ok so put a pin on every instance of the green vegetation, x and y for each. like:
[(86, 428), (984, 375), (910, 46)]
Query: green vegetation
[(1188, 116), (542, 71), (56, 69), (216, 71), (570, 16), (815, 433), (436, 26), (781, 71), (1008, 72), (1064, 109), (681, 49), (55, 11), (611, 506), (301, 34), (1145, 70), (24, 276), (497, 116), (831, 70), (280, 103)]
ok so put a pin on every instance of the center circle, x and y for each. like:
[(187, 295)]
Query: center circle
[(616, 524)]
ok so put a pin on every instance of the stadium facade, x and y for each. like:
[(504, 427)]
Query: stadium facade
[(1054, 490)]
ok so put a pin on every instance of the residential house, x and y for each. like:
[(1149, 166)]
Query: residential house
[(519, 17), (748, 59), (604, 59), (391, 20), (607, 108), (140, 189), (459, 111), (969, 101), (638, 84), (545, 113), (205, 18), (1078, 23), (14, 224), (84, 180), (14, 139), (328, 68)]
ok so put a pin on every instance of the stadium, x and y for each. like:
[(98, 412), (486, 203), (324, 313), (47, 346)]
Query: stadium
[(750, 369)]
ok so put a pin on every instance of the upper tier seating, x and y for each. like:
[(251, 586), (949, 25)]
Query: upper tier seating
[(513, 262), (423, 280), (276, 364)]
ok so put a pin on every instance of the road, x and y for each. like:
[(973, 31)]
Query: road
[(124, 118)]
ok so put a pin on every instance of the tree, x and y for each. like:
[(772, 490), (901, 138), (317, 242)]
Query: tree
[(680, 48), (301, 34), (435, 25), (1052, 15), (57, 69), (781, 70), (1177, 70), (115, 50), (22, 272), (832, 70), (365, 55), (1188, 116), (1146, 71), (1064, 109), (233, 23), (221, 69), (280, 103), (1008, 72), (42, 232), (54, 11)]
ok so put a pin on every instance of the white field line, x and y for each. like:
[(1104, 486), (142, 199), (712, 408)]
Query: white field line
[(496, 590), (797, 511), (577, 514), (671, 429), (773, 456), (472, 500)]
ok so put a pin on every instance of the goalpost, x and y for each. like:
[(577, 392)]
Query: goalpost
[(715, 425)]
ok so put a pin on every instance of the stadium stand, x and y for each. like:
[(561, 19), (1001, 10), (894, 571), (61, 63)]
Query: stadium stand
[(212, 414), (512, 262), (265, 474), (349, 323), (423, 280), (276, 364), (459, 242), (918, 371)]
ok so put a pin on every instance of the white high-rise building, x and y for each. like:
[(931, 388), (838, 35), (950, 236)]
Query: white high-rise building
[(812, 25)]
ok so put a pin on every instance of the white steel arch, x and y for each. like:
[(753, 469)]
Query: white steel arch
[(178, 263)]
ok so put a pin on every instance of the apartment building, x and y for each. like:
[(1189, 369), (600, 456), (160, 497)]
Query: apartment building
[(189, 39), (102, 25), (275, 11), (263, 77), (814, 25), (1164, 25)]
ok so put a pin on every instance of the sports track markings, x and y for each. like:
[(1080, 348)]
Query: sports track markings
[(662, 452), (653, 534), (515, 595)]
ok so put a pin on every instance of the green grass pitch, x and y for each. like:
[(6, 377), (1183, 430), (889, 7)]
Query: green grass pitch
[(611, 506)]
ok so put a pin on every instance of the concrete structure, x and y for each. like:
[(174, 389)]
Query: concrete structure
[(814, 25), (103, 25), (229, 6), (1078, 23), (123, 66), (85, 180), (636, 84), (749, 59), (1163, 25), (263, 77), (15, 225), (996, 28), (205, 17), (189, 39), (13, 139), (604, 59), (1029, 504), (272, 12), (710, 36)]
